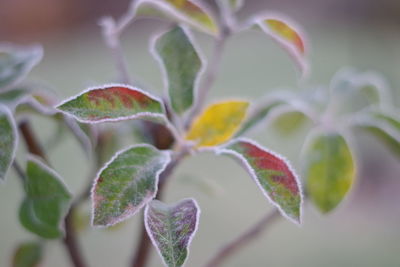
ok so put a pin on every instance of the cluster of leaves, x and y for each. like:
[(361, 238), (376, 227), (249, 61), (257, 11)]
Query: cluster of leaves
[(129, 181)]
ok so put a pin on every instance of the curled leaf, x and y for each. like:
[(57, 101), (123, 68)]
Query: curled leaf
[(8, 141), (181, 64), (16, 62), (113, 102), (329, 170), (218, 123), (127, 183), (272, 173), (46, 203), (190, 12), (288, 35), (172, 228)]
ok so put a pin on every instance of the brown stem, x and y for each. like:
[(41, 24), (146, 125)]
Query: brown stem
[(70, 240), (243, 240)]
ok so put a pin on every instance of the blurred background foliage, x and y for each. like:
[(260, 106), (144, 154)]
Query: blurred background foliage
[(364, 34)]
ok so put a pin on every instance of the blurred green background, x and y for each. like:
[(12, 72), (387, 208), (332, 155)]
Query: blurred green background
[(363, 231)]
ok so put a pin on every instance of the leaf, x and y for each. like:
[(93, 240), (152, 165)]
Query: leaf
[(257, 116), (114, 102), (8, 141), (288, 35), (218, 123), (127, 183), (16, 62), (12, 97), (190, 12), (181, 64), (289, 122), (46, 203), (387, 131), (171, 229), (271, 172), (329, 170), (28, 254)]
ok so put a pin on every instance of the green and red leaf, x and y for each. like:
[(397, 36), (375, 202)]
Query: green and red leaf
[(47, 201), (181, 64), (113, 102), (329, 170), (193, 13), (8, 141), (171, 229), (288, 35), (127, 183), (272, 173)]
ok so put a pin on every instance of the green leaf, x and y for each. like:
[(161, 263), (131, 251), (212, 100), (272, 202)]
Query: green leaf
[(289, 122), (127, 183), (16, 62), (28, 254), (329, 170), (386, 130), (12, 97), (181, 64), (257, 116), (8, 141), (193, 13), (172, 228), (272, 173), (113, 102), (46, 203)]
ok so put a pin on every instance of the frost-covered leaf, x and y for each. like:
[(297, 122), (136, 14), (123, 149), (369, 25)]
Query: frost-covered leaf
[(272, 173), (193, 13), (257, 116), (8, 141), (172, 228), (218, 123), (28, 254), (12, 97), (47, 201), (127, 183), (329, 170), (287, 34), (181, 64), (16, 62), (386, 129), (114, 102), (289, 122)]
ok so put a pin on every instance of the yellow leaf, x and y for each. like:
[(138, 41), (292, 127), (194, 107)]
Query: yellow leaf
[(218, 123)]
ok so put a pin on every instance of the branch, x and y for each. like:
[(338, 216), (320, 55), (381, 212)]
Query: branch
[(244, 239), (70, 240)]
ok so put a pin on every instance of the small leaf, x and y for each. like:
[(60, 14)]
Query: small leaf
[(182, 64), (46, 203), (387, 131), (12, 97), (289, 122), (190, 12), (257, 116), (28, 254), (287, 35), (127, 183), (218, 123), (329, 170), (112, 103), (392, 120), (8, 141), (16, 62), (272, 173), (172, 228)]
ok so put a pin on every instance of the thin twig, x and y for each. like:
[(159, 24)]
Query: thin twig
[(19, 170), (241, 241), (70, 240)]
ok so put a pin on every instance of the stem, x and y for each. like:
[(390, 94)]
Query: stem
[(244, 239), (20, 171), (70, 240), (142, 253)]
